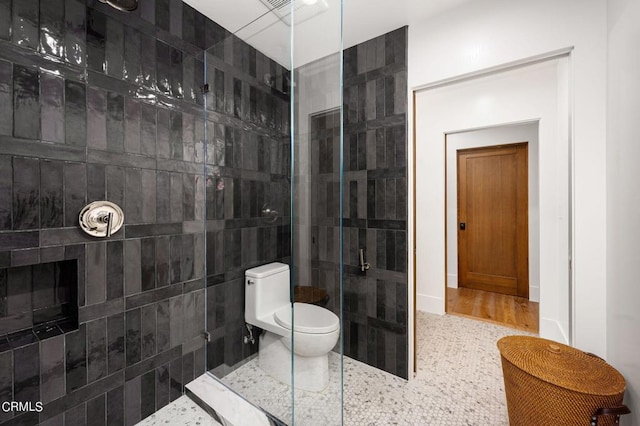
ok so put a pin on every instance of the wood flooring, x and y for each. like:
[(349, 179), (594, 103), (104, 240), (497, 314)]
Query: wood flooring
[(510, 311)]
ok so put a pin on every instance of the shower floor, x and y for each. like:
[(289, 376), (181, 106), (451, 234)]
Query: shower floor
[(459, 382)]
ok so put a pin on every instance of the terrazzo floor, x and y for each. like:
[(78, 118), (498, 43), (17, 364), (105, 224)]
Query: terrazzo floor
[(459, 382)]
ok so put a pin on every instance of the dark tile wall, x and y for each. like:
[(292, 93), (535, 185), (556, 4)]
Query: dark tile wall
[(374, 203), (98, 104), (248, 169)]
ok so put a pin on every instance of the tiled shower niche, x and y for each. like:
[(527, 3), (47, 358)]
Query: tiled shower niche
[(37, 302)]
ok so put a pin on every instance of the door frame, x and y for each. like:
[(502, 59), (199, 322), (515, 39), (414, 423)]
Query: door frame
[(412, 293)]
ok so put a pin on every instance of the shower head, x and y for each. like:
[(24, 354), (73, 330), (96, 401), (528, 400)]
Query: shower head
[(123, 5)]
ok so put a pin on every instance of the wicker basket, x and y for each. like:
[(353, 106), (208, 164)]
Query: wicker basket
[(548, 383)]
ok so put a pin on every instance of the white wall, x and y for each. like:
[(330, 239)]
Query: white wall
[(502, 135), (488, 33), (623, 198)]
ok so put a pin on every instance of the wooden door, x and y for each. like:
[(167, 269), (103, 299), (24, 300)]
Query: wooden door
[(493, 237)]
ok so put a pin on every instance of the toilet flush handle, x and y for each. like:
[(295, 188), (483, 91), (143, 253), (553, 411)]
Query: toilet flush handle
[(250, 282)]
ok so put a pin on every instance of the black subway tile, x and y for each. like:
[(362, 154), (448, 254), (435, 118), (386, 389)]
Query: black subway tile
[(96, 118), (163, 67), (5, 26), (76, 416), (96, 255), (115, 185), (175, 72), (96, 349), (148, 394), (175, 136), (26, 193), (133, 336), (148, 328), (132, 120), (52, 27), (75, 113), (96, 411), (114, 48), (26, 102), (163, 383), (115, 122), (51, 194), (96, 182), (25, 257), (163, 326), (96, 40), (115, 407), (75, 178), (6, 195), (148, 130), (76, 359), (6, 380), (6, 95), (176, 259), (132, 66), (75, 32), (115, 343), (115, 273), (163, 261), (175, 373), (148, 264), (25, 23), (52, 107), (132, 393), (148, 60)]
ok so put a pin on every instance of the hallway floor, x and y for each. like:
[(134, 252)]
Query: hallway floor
[(501, 309), (459, 382)]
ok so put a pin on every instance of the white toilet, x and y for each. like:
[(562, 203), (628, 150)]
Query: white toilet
[(315, 329)]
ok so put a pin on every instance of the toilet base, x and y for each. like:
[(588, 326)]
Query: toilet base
[(311, 373)]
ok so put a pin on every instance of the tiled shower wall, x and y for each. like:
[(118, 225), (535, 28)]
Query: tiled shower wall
[(98, 104), (375, 202)]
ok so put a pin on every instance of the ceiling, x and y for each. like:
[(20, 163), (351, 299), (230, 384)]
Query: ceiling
[(318, 37)]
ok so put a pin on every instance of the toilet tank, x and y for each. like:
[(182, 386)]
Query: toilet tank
[(266, 290)]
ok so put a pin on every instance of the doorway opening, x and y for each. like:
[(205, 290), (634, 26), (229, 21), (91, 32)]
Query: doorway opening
[(492, 191), (535, 90)]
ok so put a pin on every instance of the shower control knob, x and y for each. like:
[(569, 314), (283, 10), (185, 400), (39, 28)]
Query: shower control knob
[(101, 219)]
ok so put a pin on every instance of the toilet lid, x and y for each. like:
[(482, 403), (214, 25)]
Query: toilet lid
[(308, 318)]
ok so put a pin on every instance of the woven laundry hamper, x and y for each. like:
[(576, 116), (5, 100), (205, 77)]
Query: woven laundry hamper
[(548, 383)]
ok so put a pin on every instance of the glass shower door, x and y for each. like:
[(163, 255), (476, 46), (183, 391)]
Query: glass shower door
[(273, 153)]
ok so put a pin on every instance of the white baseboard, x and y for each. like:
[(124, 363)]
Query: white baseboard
[(452, 280), (430, 304), (551, 329), (534, 293)]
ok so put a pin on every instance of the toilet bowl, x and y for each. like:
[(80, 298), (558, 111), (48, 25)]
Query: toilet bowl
[(315, 330)]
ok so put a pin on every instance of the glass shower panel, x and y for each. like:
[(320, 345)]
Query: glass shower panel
[(317, 206), (273, 154), (248, 211)]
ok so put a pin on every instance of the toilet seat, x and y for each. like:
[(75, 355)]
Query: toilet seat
[(308, 318)]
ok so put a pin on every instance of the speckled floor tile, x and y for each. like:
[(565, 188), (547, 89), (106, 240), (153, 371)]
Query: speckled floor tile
[(459, 382)]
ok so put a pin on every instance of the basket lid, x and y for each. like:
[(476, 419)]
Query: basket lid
[(562, 365)]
